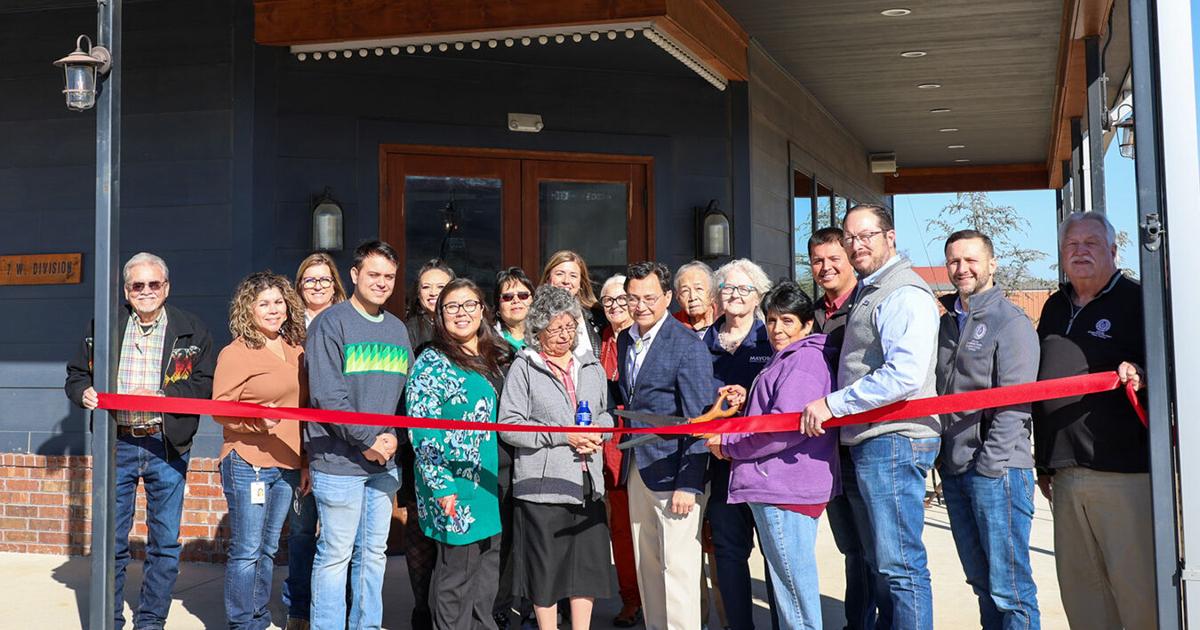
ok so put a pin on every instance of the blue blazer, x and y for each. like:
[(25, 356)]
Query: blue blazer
[(676, 379)]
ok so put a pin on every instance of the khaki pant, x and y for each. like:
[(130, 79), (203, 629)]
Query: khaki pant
[(1104, 548), (666, 549)]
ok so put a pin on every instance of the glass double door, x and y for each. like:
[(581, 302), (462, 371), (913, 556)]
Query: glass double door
[(483, 210)]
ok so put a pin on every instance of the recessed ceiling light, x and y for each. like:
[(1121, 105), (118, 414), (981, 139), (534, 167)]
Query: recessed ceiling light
[(913, 54), (948, 129), (939, 110), (956, 146), (961, 160), (895, 12), (928, 86)]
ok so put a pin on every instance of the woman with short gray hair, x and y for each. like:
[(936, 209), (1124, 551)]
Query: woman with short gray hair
[(740, 349), (561, 541)]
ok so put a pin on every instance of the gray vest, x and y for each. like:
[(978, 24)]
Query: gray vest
[(862, 353)]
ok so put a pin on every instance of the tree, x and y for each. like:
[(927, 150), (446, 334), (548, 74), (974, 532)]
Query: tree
[(1004, 225)]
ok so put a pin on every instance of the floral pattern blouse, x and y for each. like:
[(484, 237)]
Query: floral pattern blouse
[(462, 463)]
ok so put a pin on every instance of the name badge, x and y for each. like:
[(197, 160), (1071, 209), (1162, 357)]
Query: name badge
[(258, 493)]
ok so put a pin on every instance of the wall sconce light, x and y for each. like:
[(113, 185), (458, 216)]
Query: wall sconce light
[(81, 67), (1125, 138), (714, 231), (327, 223)]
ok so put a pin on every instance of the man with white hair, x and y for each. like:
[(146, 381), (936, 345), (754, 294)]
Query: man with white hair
[(163, 351), (1092, 452), (696, 293)]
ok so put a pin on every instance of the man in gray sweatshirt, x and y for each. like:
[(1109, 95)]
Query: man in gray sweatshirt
[(987, 459), (358, 358), (887, 356)]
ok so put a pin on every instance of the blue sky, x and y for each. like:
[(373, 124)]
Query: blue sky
[(914, 211)]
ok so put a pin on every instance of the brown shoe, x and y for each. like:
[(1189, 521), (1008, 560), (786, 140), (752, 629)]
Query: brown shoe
[(296, 624)]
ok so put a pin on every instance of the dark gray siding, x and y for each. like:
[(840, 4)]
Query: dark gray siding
[(222, 154)]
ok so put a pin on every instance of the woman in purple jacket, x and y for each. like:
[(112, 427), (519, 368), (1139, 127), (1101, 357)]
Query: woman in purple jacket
[(785, 477)]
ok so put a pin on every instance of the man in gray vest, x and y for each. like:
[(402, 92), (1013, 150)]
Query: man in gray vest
[(887, 356)]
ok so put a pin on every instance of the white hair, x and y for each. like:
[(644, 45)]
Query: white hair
[(696, 265), (146, 258), (1076, 217), (616, 279), (758, 278)]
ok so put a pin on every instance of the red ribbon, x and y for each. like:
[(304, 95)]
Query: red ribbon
[(904, 410)]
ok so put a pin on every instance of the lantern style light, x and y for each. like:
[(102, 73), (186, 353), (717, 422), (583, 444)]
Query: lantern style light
[(327, 223), (1125, 138), (81, 68), (714, 232)]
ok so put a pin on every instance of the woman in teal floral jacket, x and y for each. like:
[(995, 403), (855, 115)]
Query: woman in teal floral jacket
[(457, 377)]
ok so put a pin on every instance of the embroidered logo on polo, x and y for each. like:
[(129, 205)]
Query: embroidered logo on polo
[(1101, 329), (388, 358)]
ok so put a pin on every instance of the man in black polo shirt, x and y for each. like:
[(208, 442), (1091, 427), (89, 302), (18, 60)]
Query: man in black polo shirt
[(1092, 452)]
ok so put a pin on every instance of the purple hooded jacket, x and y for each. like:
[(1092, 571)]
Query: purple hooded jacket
[(787, 468)]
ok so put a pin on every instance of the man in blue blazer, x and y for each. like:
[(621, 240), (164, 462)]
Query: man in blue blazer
[(665, 369)]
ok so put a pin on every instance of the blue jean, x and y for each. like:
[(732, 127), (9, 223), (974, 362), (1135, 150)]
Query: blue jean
[(891, 473), (351, 508), (990, 519), (789, 541), (302, 546), (164, 480), (850, 529), (254, 539)]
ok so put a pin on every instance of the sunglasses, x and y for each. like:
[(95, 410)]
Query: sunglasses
[(519, 295), (153, 285)]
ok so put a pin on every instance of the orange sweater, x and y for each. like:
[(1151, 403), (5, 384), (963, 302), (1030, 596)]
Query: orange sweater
[(259, 376)]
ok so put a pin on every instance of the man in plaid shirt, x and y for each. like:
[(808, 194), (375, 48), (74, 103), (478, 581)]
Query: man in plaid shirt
[(164, 351)]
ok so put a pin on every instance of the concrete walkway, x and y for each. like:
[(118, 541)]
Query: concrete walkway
[(51, 591)]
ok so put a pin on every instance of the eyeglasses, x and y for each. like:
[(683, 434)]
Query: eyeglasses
[(519, 295), (469, 307), (154, 286), (563, 330), (742, 290), (648, 300), (863, 237), (609, 302), (323, 282)]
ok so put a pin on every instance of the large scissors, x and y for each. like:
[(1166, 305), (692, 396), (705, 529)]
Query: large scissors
[(720, 409)]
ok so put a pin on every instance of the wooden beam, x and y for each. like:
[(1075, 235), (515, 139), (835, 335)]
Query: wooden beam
[(1081, 18), (909, 181), (701, 25)]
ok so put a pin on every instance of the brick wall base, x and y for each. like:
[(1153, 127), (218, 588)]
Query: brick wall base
[(45, 507)]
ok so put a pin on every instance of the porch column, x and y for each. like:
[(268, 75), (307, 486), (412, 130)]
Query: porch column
[(101, 605), (1096, 112)]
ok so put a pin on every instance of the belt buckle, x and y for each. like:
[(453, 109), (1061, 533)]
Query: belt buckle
[(139, 432)]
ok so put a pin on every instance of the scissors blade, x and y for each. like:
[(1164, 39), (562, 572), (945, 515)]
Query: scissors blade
[(638, 440), (652, 419)]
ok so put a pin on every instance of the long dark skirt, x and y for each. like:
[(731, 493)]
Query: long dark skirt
[(561, 550)]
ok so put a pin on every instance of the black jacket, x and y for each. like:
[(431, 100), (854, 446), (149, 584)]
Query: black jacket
[(833, 327), (187, 365), (1097, 431)]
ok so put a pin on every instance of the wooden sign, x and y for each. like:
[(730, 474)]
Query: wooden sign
[(41, 269)]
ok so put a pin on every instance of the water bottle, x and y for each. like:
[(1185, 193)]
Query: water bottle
[(583, 414)]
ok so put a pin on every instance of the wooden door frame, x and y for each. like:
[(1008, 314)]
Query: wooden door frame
[(394, 198)]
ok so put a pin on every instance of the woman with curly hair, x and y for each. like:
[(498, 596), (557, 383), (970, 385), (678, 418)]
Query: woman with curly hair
[(458, 377), (264, 364)]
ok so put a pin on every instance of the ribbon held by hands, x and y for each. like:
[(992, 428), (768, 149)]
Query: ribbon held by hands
[(938, 405)]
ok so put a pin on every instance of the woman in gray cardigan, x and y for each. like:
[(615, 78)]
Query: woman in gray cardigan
[(561, 540)]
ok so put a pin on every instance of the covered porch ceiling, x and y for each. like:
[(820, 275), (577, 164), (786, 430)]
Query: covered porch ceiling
[(968, 95)]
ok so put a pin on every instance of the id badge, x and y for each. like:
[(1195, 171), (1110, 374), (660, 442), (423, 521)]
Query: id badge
[(258, 493)]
